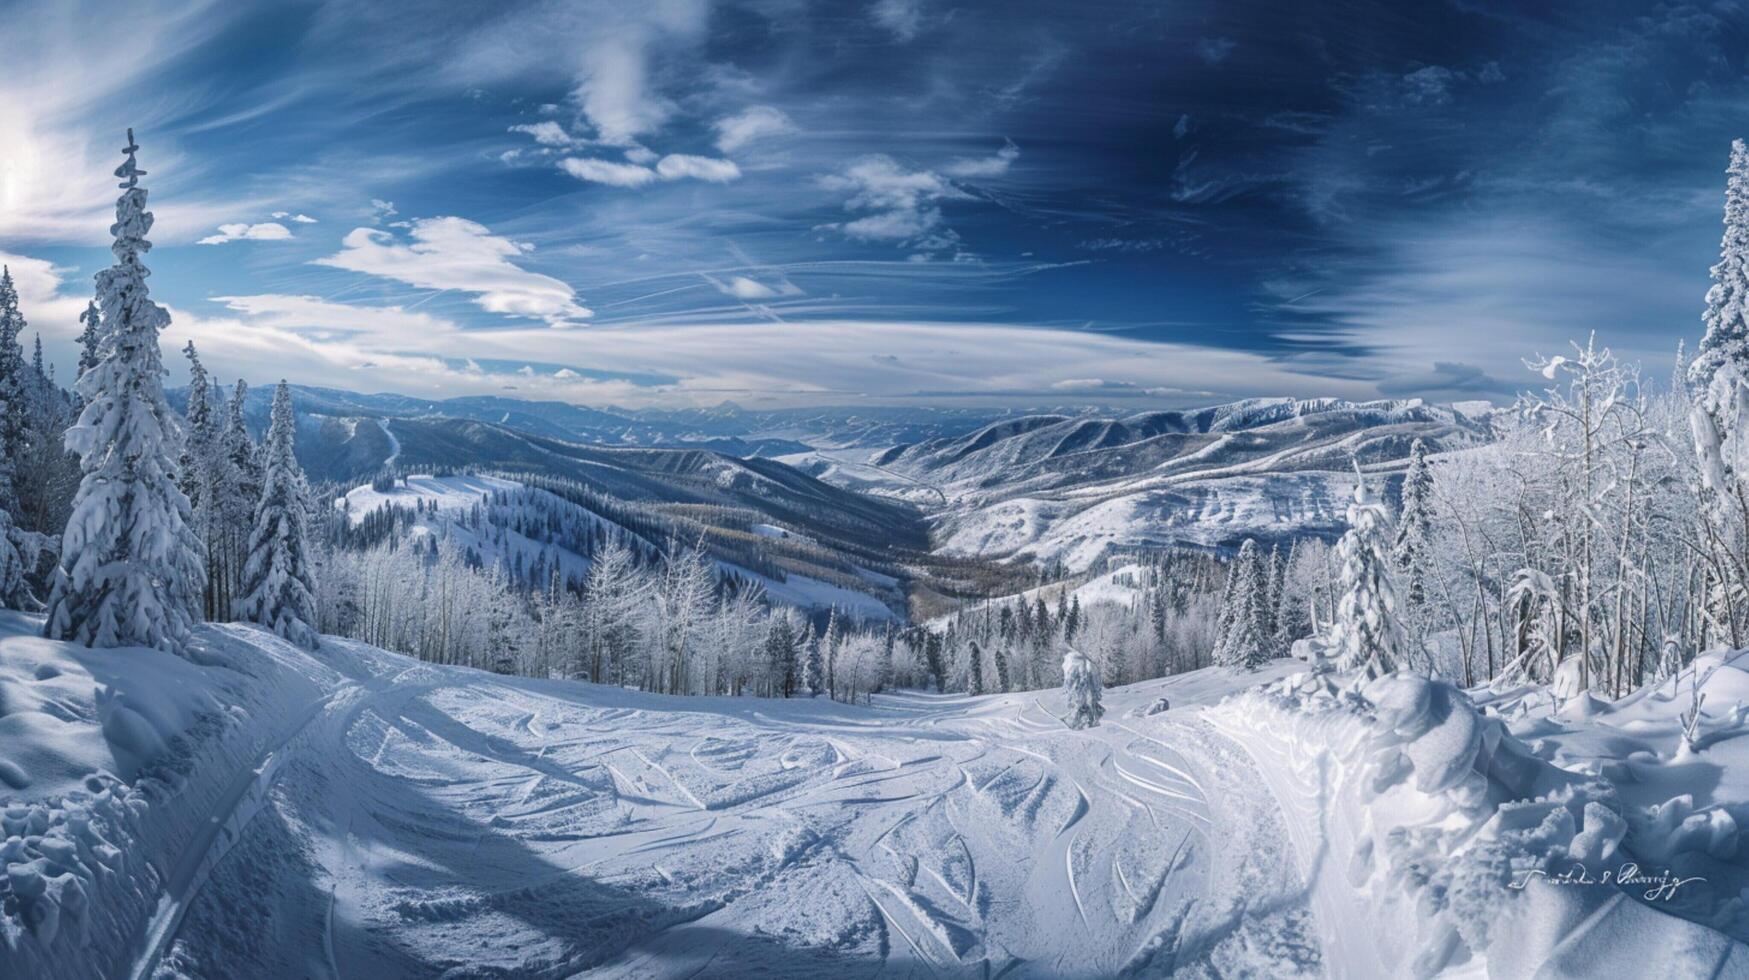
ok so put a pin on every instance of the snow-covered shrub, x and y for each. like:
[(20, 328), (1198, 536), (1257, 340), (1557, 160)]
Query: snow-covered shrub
[(1081, 687)]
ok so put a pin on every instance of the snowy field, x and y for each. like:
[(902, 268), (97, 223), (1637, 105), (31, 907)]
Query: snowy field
[(266, 812), (409, 819)]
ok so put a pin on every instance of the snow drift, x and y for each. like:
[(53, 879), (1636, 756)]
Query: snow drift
[(1434, 841), (109, 760)]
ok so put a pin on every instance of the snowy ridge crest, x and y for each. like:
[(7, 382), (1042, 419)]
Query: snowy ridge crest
[(1423, 828)]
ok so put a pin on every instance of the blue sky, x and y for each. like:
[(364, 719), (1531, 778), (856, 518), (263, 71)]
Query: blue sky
[(1031, 203)]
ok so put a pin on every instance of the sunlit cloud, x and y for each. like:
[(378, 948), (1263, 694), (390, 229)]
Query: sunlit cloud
[(455, 253)]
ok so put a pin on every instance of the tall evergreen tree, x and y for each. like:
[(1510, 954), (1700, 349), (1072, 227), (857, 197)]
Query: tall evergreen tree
[(130, 573), (1367, 633), (1413, 546), (278, 579), (14, 590), (814, 670), (14, 392), (1722, 359), (237, 483), (1246, 639), (90, 339), (780, 653)]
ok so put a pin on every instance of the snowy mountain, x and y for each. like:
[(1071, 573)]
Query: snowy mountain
[(727, 428), (1069, 489)]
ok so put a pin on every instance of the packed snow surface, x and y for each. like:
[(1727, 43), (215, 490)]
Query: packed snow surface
[(402, 820), (277, 813)]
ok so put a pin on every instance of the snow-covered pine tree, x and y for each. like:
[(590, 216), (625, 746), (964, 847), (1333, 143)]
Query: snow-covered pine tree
[(237, 482), (780, 653), (1275, 586), (975, 669), (1413, 546), (130, 571), (14, 591), (46, 476), (502, 648), (1367, 634), (1246, 641), (14, 392), (194, 465), (91, 338), (1081, 688), (278, 584), (1226, 613), (814, 669), (1722, 359)]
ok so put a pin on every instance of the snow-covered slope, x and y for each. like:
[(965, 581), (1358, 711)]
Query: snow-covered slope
[(533, 525), (1434, 840), (261, 811), (1070, 489)]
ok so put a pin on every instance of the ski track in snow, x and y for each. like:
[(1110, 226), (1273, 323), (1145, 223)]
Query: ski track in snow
[(431, 819), (394, 444)]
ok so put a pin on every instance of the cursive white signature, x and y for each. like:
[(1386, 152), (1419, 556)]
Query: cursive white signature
[(1660, 887)]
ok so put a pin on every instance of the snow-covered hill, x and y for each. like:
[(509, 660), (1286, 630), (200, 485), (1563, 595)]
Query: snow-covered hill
[(1071, 489), (255, 810), (526, 527)]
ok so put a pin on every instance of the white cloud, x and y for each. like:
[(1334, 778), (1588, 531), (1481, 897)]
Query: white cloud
[(1079, 384), (267, 231), (546, 133), (387, 325), (677, 166), (750, 125), (990, 166), (455, 253), (905, 203), (615, 86), (382, 209), (607, 172), (904, 18), (742, 287), (641, 154), (303, 219), (674, 166), (566, 374)]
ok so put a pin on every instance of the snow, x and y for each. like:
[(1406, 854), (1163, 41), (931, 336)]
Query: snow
[(452, 496), (267, 811), (449, 494), (1210, 513), (1434, 840), (390, 818)]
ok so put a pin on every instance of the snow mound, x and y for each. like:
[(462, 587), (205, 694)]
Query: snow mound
[(1434, 841), (110, 763)]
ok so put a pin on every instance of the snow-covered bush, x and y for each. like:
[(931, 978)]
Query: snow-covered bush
[(1081, 689)]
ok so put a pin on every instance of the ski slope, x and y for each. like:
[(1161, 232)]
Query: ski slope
[(255, 810), (433, 819)]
